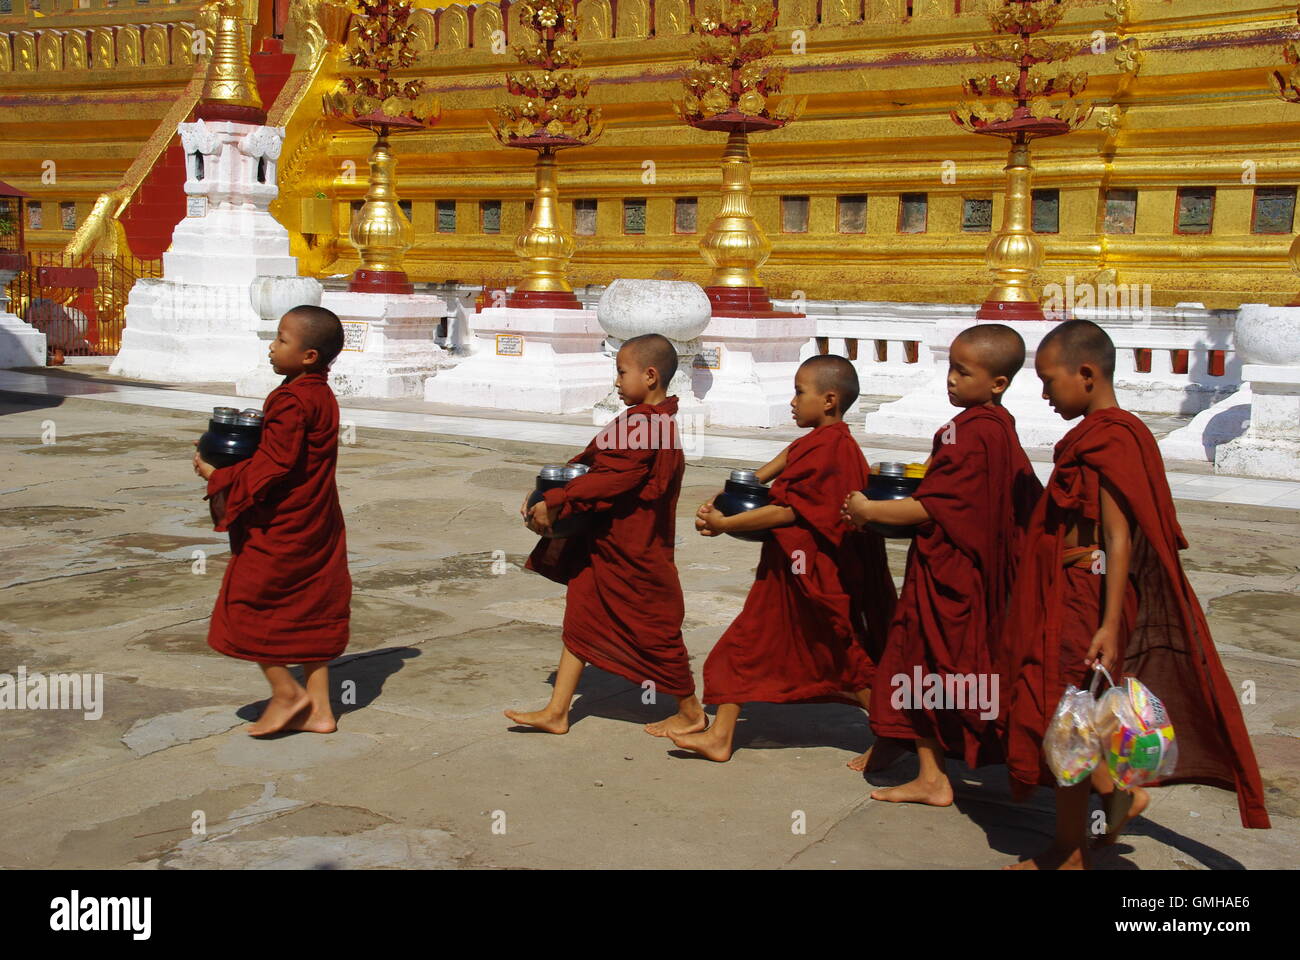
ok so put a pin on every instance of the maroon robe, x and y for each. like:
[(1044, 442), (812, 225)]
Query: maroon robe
[(624, 606), (286, 595), (1164, 639), (979, 491), (822, 596)]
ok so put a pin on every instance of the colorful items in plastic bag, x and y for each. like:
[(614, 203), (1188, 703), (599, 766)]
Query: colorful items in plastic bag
[(1136, 735), (1071, 744)]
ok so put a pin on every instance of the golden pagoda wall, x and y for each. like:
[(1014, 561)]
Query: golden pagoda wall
[(82, 92), (1190, 76)]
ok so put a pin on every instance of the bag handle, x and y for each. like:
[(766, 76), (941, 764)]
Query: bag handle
[(1097, 671)]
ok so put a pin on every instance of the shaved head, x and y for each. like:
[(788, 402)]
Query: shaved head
[(1080, 342), (834, 374), (321, 331), (653, 350), (1000, 349)]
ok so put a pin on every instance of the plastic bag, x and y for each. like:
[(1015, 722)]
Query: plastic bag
[(1136, 736), (1071, 744)]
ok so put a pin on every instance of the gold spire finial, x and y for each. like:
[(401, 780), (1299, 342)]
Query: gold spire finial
[(230, 90)]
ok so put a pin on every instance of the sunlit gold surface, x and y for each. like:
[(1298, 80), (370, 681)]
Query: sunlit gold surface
[(1195, 105), (1015, 254), (381, 233), (230, 79), (735, 245), (545, 247)]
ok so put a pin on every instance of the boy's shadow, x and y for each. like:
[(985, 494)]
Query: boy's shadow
[(1024, 830), (356, 680)]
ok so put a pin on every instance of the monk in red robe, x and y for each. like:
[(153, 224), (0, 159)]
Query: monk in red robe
[(1100, 582), (286, 595), (822, 595), (938, 690), (623, 610)]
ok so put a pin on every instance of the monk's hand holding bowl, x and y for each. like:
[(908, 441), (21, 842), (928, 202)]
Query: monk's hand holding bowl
[(855, 509), (542, 518), (709, 520), (202, 467)]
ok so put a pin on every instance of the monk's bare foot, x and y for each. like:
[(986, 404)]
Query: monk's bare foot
[(278, 715), (679, 723), (541, 720), (1053, 859), (882, 754), (708, 744), (314, 723), (933, 793), (1122, 808)]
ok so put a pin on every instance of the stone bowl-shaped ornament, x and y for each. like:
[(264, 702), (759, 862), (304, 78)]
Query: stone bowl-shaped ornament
[(675, 309), (273, 297), (1268, 335)]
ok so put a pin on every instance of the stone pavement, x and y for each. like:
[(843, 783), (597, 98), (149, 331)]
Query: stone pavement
[(103, 530)]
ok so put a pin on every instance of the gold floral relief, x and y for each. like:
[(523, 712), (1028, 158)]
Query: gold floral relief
[(49, 50), (633, 19), (672, 18), (101, 48), (24, 52), (487, 21), (128, 46), (593, 19), (74, 50), (453, 29), (182, 40), (155, 45)]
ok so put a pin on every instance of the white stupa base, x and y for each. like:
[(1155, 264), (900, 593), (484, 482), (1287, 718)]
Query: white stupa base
[(1216, 425), (21, 344), (188, 333), (924, 410), (391, 349), (1270, 447), (756, 362), (539, 360)]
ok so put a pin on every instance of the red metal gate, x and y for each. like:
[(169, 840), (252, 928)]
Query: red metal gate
[(79, 306)]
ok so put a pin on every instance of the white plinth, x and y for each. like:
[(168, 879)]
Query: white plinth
[(390, 350), (540, 360), (184, 332), (757, 358), (197, 323), (924, 410), (1225, 421), (1271, 445), (21, 344)]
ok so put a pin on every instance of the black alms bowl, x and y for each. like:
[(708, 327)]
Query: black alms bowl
[(549, 478), (744, 492), (232, 436), (890, 484)]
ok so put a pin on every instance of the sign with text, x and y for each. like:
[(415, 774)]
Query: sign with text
[(510, 345), (196, 206), (709, 358), (354, 335)]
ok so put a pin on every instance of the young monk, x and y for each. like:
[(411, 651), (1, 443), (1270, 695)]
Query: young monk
[(624, 607), (822, 595), (286, 595), (970, 511), (1100, 582)]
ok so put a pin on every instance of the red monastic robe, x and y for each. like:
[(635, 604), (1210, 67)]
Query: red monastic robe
[(979, 491), (286, 595), (819, 608), (624, 606), (1165, 641)]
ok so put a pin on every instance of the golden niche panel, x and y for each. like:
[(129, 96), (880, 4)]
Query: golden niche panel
[(453, 29), (155, 45), (593, 19), (101, 49), (671, 18), (487, 21), (633, 19)]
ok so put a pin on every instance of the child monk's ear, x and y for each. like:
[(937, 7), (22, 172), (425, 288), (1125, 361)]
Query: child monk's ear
[(1000, 384)]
